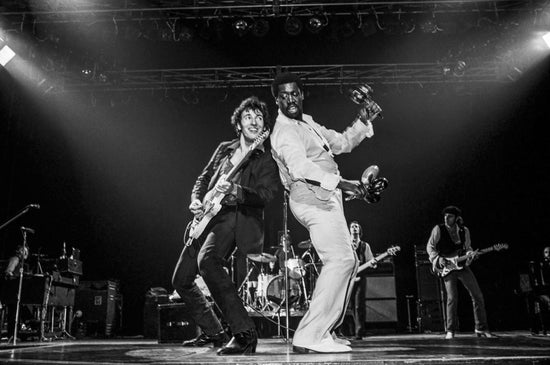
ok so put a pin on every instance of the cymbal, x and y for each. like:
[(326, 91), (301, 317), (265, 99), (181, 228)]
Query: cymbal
[(305, 244), (263, 257)]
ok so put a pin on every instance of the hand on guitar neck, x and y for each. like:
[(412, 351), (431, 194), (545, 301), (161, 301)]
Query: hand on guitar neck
[(392, 251)]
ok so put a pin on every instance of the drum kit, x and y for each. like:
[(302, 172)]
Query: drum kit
[(264, 286)]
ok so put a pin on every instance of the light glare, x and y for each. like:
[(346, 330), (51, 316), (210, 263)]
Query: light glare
[(546, 38), (6, 54)]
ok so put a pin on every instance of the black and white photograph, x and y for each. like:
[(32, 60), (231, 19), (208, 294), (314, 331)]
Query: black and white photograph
[(274, 182)]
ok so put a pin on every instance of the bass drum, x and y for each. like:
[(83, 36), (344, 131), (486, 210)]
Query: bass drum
[(276, 290)]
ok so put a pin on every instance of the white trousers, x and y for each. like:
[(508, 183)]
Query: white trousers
[(330, 236)]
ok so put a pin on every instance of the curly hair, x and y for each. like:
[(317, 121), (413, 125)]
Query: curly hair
[(285, 78), (250, 103)]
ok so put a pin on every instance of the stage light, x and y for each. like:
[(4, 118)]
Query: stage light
[(6, 55), (186, 33), (260, 28), (240, 26), (87, 73), (347, 27), (546, 39), (293, 26), (316, 23), (459, 68)]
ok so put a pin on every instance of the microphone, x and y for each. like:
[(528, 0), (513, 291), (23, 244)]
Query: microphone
[(25, 229), (35, 206), (460, 222)]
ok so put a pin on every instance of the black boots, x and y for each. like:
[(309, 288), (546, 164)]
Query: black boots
[(241, 343), (203, 339)]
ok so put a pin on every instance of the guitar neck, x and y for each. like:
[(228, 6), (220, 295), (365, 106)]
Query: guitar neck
[(366, 265), (251, 148), (480, 252)]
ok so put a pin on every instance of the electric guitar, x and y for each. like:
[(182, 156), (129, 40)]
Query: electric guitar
[(212, 200), (392, 251), (453, 263)]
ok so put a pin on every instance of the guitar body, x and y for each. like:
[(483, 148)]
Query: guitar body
[(212, 206), (451, 264)]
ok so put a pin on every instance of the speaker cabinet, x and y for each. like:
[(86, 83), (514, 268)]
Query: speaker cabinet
[(430, 317), (381, 310), (380, 294), (175, 325), (99, 302)]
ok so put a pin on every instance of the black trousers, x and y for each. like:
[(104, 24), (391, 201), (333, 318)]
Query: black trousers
[(208, 260)]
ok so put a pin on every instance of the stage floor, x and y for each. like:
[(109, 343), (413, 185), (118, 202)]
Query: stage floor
[(508, 348)]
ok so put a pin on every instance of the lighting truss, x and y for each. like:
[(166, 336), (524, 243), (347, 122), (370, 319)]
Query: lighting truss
[(46, 11), (256, 77)]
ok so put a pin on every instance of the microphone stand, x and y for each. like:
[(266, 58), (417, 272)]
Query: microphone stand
[(20, 288), (285, 250), (19, 214)]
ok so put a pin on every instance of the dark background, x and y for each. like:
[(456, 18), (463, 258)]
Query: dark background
[(113, 172)]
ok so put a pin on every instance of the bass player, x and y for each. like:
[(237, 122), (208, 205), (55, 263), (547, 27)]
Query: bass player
[(448, 240), (238, 223)]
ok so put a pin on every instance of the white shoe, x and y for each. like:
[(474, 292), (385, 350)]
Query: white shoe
[(340, 340), (449, 335), (325, 346), (486, 334)]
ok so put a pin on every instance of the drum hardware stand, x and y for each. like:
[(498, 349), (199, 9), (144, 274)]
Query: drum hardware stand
[(244, 286), (409, 327), (44, 311), (284, 239)]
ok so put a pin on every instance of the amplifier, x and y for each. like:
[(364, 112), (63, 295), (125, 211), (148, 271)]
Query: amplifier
[(175, 325), (71, 266)]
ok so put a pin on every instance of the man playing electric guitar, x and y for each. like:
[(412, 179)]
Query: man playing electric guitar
[(448, 240), (366, 261), (239, 222)]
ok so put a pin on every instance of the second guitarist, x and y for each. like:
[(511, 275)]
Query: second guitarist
[(238, 223), (448, 240), (358, 302)]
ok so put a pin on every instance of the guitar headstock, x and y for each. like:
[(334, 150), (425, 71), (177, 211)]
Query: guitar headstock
[(393, 250), (260, 139), (500, 246)]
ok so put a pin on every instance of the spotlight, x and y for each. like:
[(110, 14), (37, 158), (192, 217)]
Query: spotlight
[(260, 28), (430, 26), (293, 26), (316, 23), (348, 27), (240, 26), (514, 73), (546, 39), (459, 68), (87, 73), (186, 33), (6, 55)]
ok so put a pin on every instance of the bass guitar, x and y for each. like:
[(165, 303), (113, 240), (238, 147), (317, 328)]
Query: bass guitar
[(212, 200), (392, 251), (454, 263)]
